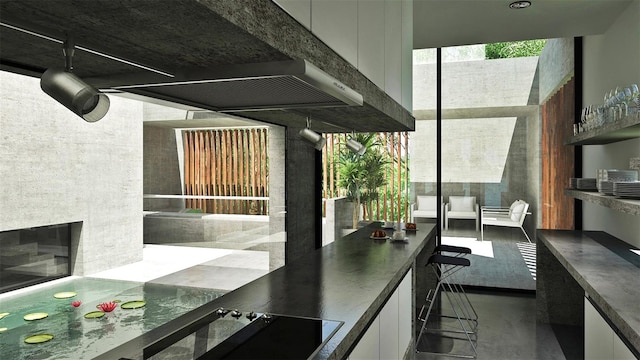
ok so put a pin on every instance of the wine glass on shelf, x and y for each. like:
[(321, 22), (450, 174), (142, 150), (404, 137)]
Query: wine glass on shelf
[(620, 103), (635, 97)]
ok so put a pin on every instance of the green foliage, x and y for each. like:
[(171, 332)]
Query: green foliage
[(514, 49), (362, 175)]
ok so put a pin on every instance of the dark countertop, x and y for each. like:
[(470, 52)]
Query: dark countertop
[(348, 280), (611, 281)]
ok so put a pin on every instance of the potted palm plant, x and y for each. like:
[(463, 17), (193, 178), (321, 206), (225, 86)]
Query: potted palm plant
[(362, 175)]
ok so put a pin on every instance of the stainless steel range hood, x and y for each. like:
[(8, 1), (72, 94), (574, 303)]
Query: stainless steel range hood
[(247, 87)]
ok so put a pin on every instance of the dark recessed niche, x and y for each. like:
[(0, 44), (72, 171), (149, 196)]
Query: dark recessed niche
[(34, 255)]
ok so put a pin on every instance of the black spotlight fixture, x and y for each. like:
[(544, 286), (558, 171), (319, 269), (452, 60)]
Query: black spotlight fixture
[(69, 90), (520, 4)]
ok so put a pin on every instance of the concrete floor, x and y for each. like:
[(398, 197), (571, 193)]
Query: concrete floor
[(507, 329), (221, 269)]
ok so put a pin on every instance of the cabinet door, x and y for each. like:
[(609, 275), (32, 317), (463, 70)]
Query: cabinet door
[(371, 40), (405, 313), (335, 22), (393, 49), (407, 55), (368, 347), (389, 328), (298, 9), (620, 350), (598, 336)]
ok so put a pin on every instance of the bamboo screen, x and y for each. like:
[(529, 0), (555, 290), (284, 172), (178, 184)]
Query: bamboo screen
[(229, 163), (393, 202)]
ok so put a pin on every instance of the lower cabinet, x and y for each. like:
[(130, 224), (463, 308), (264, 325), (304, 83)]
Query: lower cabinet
[(389, 334), (600, 341)]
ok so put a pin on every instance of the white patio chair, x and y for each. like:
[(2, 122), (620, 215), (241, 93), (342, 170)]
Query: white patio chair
[(461, 207), (512, 216), (427, 207)]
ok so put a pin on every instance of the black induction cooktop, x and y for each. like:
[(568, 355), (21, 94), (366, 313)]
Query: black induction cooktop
[(237, 335)]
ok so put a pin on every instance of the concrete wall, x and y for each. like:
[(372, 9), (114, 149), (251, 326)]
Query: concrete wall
[(338, 216), (277, 196), (611, 59), (161, 168), (240, 232), (56, 168), (303, 202), (474, 84), (557, 66)]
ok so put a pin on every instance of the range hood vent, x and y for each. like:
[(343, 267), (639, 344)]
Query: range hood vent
[(261, 86)]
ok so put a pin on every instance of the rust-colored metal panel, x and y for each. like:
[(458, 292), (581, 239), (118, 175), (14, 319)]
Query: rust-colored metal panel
[(558, 114)]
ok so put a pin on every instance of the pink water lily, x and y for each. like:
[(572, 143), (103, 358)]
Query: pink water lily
[(108, 306), (76, 303)]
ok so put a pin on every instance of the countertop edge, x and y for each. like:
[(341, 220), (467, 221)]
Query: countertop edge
[(623, 327)]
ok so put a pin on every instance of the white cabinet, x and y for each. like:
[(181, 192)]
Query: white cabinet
[(335, 22), (389, 328), (371, 40), (298, 9), (389, 334), (620, 350), (407, 55), (405, 313), (375, 36), (600, 341), (393, 49), (368, 348)]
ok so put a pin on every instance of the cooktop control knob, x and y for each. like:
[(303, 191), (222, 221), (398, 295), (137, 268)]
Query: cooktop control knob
[(236, 314), (251, 315), (266, 317), (222, 312)]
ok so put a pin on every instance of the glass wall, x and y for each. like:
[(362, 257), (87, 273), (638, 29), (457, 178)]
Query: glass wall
[(34, 255), (489, 153)]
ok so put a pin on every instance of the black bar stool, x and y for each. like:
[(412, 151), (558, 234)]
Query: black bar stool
[(444, 267)]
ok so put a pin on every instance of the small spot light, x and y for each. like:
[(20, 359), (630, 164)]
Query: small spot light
[(356, 147), (313, 137), (76, 95), (520, 4)]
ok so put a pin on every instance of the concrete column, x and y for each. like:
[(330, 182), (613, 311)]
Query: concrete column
[(303, 201)]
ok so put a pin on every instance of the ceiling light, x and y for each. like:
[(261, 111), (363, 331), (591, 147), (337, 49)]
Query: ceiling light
[(69, 90), (313, 137), (76, 95), (520, 4), (356, 147)]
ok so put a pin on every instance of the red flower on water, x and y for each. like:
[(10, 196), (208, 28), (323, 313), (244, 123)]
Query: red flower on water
[(76, 303), (108, 306)]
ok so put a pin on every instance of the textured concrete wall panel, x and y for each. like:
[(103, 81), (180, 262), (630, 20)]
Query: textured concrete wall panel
[(556, 66), (57, 168)]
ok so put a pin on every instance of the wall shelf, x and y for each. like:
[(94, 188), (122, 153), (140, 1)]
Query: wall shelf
[(623, 205), (623, 129)]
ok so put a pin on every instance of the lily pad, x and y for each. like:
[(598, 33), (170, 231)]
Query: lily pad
[(35, 316), (117, 301), (133, 304), (38, 338), (3, 329), (65, 295), (94, 315), (3, 315)]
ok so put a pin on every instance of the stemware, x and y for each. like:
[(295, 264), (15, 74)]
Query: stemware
[(635, 93)]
